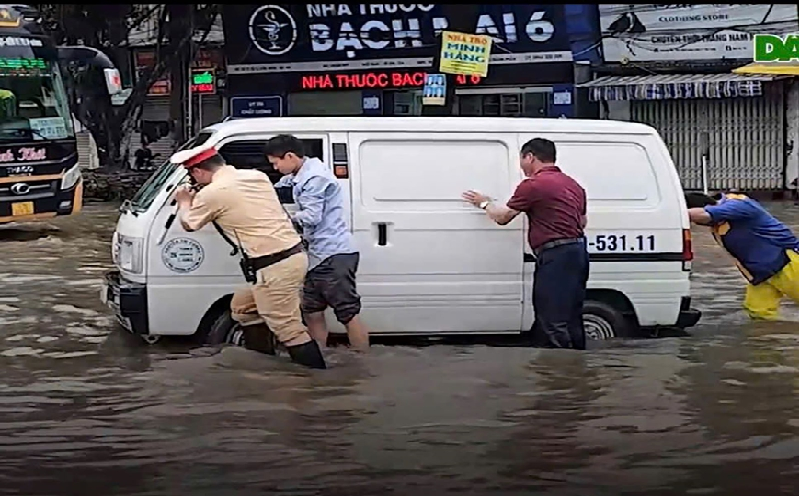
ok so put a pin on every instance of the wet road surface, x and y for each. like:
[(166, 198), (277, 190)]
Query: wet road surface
[(87, 409)]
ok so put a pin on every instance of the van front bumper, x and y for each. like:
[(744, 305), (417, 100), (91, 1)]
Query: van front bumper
[(688, 316), (127, 300)]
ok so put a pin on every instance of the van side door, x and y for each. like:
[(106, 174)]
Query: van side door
[(430, 262)]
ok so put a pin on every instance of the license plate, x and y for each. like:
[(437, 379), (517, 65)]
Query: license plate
[(21, 208)]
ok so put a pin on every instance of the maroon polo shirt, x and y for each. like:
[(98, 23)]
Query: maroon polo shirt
[(554, 204)]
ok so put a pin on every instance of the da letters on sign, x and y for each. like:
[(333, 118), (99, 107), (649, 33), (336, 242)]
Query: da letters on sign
[(465, 54), (773, 48)]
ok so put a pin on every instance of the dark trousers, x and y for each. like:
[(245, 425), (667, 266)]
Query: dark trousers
[(561, 274)]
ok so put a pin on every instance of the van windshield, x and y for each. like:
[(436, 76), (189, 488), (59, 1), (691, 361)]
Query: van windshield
[(143, 198)]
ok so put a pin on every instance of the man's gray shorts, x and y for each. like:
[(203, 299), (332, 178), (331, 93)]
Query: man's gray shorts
[(332, 284)]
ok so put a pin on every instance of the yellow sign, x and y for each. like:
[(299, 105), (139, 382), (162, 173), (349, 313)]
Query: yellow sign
[(22, 208), (465, 54)]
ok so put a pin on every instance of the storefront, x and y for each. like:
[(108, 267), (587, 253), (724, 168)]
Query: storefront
[(660, 70), (371, 59), (207, 101), (734, 123)]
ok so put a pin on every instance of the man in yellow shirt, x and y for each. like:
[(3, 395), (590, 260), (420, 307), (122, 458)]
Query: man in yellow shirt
[(245, 206)]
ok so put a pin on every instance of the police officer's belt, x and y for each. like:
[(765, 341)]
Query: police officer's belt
[(259, 263)]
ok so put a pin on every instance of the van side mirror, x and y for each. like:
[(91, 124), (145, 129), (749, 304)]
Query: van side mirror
[(94, 63)]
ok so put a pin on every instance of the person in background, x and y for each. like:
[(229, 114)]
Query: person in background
[(333, 258), (245, 206), (764, 250), (143, 158), (555, 205)]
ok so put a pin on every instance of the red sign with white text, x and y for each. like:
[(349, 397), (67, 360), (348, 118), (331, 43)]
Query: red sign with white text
[(375, 80)]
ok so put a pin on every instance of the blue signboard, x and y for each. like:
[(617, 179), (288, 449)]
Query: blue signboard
[(372, 102), (562, 101), (256, 106), (435, 90)]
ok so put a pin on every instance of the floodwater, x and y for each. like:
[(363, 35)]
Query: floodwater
[(87, 409)]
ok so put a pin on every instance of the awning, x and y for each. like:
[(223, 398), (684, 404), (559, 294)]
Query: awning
[(770, 68), (675, 86)]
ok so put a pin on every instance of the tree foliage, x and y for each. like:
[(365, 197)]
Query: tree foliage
[(108, 27)]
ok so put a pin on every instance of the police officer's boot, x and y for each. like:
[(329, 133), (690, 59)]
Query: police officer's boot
[(307, 354), (258, 337)]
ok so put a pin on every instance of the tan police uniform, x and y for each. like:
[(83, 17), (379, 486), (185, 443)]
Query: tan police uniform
[(245, 205)]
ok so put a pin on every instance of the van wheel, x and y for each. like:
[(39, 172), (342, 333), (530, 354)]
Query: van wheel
[(602, 321), (225, 330)]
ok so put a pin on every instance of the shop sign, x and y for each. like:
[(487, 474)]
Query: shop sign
[(374, 80), (435, 90), (654, 32), (203, 81), (280, 38), (771, 48), (256, 106), (204, 59), (372, 102), (465, 54)]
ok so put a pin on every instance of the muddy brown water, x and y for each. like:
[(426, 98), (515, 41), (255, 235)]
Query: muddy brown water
[(87, 409)]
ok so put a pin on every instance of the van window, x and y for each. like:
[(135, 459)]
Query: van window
[(407, 175), (249, 154), (614, 174), (143, 198)]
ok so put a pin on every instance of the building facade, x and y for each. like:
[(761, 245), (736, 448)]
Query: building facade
[(371, 59), (670, 66), (206, 86)]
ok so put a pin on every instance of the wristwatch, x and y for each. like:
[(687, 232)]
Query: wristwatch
[(484, 204)]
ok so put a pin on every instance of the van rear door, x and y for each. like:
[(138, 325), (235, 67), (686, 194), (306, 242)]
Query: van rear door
[(431, 263)]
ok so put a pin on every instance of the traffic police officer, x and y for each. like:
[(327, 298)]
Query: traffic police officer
[(245, 206)]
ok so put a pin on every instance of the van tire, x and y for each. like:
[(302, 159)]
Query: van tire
[(224, 330), (602, 321)]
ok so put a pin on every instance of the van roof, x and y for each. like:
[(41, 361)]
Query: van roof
[(426, 124)]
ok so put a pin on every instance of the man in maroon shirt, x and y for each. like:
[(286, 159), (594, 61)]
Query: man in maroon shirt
[(555, 205)]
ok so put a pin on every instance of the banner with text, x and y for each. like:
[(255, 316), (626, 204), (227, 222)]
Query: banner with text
[(655, 32), (465, 54), (281, 38)]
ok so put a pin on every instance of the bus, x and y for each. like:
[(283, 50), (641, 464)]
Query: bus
[(39, 173)]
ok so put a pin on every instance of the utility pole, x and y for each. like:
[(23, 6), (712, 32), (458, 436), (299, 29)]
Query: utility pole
[(190, 97), (179, 22)]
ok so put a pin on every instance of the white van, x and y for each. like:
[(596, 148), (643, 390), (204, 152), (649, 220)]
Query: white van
[(430, 263)]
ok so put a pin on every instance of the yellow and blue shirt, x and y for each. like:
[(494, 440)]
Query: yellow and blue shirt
[(754, 238)]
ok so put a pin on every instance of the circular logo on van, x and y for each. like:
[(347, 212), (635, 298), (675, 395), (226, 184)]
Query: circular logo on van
[(20, 188), (182, 255), (272, 30)]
